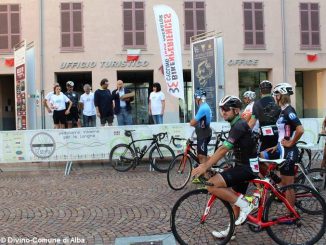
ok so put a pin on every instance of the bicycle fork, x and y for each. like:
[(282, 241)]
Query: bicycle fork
[(208, 208)]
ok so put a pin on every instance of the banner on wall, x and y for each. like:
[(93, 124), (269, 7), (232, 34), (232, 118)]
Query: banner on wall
[(20, 86), (168, 30), (204, 69)]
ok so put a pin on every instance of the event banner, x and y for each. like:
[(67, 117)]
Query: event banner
[(168, 31), (78, 144), (204, 70), (20, 86)]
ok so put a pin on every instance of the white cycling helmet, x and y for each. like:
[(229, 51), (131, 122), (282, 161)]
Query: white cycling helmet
[(231, 102), (250, 95), (283, 88), (70, 83)]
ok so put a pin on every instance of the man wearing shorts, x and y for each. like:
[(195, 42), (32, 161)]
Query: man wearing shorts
[(241, 141)]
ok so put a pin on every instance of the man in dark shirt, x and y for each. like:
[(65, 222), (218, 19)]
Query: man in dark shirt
[(241, 141), (104, 103), (73, 116), (266, 111)]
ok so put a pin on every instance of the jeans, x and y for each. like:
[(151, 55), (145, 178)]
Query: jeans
[(158, 119), (89, 121), (124, 117)]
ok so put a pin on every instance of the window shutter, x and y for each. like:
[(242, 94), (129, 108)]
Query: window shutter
[(309, 25), (194, 19), (200, 14), (9, 26)]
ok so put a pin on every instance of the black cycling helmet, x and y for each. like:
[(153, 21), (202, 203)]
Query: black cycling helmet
[(265, 85), (230, 101), (200, 94)]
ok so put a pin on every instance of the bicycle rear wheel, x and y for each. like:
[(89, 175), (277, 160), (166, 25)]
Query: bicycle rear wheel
[(179, 172), (186, 215), (317, 177), (160, 157), (308, 229), (122, 157)]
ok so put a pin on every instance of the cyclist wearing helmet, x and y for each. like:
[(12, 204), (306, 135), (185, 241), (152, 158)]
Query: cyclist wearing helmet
[(266, 111), (249, 99), (201, 122), (241, 141), (289, 132)]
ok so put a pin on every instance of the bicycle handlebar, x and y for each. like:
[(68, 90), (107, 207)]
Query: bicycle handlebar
[(160, 136), (174, 139)]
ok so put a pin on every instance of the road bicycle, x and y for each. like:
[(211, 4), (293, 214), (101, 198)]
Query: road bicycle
[(126, 156), (179, 171), (197, 213)]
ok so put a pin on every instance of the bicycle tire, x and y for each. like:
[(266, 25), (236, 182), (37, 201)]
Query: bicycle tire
[(179, 172), (160, 157), (122, 157), (309, 229), (319, 183), (186, 215)]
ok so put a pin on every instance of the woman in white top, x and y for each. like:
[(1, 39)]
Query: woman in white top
[(58, 104), (156, 104)]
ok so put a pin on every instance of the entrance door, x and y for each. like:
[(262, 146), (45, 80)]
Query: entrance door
[(140, 82), (79, 79), (7, 102)]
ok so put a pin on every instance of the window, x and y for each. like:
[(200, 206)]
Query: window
[(194, 19), (133, 24), (249, 80), (9, 27), (71, 27), (254, 35), (309, 25)]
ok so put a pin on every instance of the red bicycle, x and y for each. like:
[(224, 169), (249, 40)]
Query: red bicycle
[(197, 213)]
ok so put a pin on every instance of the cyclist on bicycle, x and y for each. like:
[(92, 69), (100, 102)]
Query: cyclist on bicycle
[(241, 141), (201, 122), (290, 131), (266, 111)]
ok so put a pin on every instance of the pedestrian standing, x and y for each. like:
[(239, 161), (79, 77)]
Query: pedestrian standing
[(104, 103), (58, 104), (122, 105), (73, 116), (86, 102), (156, 105)]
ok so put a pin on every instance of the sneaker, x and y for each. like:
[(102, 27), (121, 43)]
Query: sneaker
[(318, 177), (223, 234), (244, 212), (196, 181)]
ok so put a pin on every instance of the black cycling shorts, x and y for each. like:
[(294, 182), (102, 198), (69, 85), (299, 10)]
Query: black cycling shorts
[(73, 116), (202, 145), (237, 177)]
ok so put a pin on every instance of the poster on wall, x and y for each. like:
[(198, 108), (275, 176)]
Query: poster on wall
[(204, 70), (20, 86)]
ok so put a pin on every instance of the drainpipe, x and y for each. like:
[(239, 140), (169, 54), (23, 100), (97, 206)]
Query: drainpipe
[(42, 62), (284, 47)]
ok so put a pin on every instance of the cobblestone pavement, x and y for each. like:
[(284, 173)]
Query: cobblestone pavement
[(94, 205)]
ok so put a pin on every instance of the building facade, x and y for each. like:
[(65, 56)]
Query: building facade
[(86, 41)]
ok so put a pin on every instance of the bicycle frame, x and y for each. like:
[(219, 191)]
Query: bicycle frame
[(138, 153), (188, 152)]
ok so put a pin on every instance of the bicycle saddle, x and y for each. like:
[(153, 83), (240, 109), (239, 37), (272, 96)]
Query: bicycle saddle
[(128, 132)]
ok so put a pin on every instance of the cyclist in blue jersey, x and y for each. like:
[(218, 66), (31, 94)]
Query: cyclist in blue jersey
[(201, 122), (290, 131)]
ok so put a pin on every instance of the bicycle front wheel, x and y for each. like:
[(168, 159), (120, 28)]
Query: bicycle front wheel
[(160, 157), (179, 172), (308, 229), (122, 157), (187, 224)]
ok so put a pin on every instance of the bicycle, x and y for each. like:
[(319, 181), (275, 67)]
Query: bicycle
[(197, 213), (126, 156), (179, 171)]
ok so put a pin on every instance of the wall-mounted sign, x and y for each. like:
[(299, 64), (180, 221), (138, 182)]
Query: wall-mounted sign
[(102, 64), (244, 62)]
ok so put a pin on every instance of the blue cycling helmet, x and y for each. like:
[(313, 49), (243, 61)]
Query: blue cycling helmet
[(200, 94)]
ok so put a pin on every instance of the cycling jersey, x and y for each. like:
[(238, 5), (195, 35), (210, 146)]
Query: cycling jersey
[(203, 117), (74, 97), (287, 123), (266, 111), (241, 141)]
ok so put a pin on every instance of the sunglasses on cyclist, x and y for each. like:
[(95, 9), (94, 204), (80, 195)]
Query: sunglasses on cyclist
[(225, 108)]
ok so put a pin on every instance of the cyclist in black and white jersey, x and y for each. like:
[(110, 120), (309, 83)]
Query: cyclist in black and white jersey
[(266, 111), (241, 141), (290, 131)]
